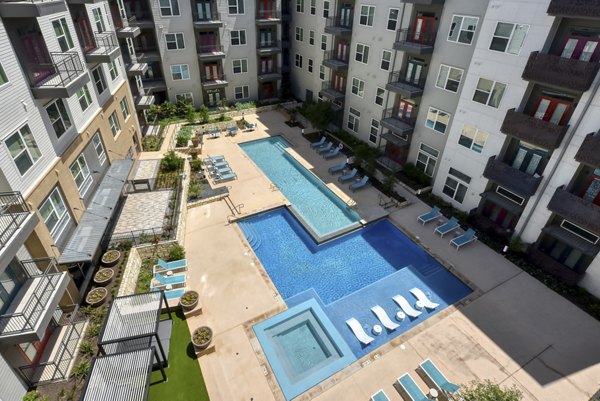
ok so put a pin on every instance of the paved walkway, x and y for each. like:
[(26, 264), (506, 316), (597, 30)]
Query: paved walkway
[(143, 211)]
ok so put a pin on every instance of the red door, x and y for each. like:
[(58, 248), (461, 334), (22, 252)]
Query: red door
[(265, 9), (405, 110), (339, 83), (342, 51), (86, 33), (553, 110), (35, 48), (581, 48), (591, 193), (423, 29), (212, 72)]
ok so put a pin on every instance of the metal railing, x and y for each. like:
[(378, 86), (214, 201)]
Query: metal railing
[(268, 44), (214, 15), (64, 68), (338, 23), (332, 55), (140, 16), (392, 113), (107, 41), (13, 212), (412, 36), (400, 76), (325, 85), (268, 14), (213, 78), (269, 71), (202, 49)]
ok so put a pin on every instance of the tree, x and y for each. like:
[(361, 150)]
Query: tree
[(388, 182), (489, 391), (319, 114), (203, 114)]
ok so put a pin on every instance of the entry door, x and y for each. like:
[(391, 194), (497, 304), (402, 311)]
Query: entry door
[(339, 82), (342, 51), (592, 192), (414, 69), (424, 26), (405, 110), (266, 65), (86, 33), (204, 11), (35, 48), (214, 98), (211, 71), (265, 8), (528, 160), (394, 152), (207, 39), (553, 110), (268, 89), (346, 15), (581, 48), (266, 37)]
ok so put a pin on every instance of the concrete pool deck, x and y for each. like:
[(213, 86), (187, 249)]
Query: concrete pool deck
[(514, 330)]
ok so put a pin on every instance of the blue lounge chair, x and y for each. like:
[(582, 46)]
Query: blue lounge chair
[(250, 127), (176, 264), (338, 168), (411, 388), (319, 143), (359, 184), (467, 237), (212, 159), (224, 178), (380, 396), (221, 171), (326, 148), (232, 131), (215, 132), (335, 152), (166, 280), (217, 165), (433, 214), (445, 228), (348, 177), (437, 377)]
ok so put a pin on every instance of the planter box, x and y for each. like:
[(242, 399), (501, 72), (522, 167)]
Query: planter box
[(113, 262), (106, 281)]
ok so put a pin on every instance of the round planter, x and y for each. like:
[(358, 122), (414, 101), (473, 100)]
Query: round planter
[(195, 141), (202, 342), (111, 258), (189, 300), (104, 276), (97, 296)]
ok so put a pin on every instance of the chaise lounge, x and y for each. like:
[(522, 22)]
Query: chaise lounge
[(447, 227), (433, 214), (464, 239), (224, 178), (405, 306), (338, 168), (380, 396), (319, 143), (438, 379), (335, 152), (325, 148), (384, 318), (423, 299), (358, 331), (411, 388), (349, 176), (359, 184)]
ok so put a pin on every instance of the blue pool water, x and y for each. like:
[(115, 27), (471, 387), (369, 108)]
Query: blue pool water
[(320, 208)]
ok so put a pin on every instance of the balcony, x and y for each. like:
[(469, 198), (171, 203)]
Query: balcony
[(214, 81), (338, 26), (265, 17), (565, 73), (417, 43), (554, 267), (83, 1), (408, 89), (574, 8), (17, 222), (514, 180), (588, 151), (141, 19), (106, 48), (208, 20), (128, 32), (136, 69), (334, 61), (31, 8), (575, 209), (210, 52), (155, 84), (144, 102), (147, 54), (274, 74), (329, 90), (29, 313), (62, 77), (425, 2), (393, 122), (533, 130), (266, 48)]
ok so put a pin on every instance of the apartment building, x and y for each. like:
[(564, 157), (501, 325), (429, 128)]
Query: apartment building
[(68, 134)]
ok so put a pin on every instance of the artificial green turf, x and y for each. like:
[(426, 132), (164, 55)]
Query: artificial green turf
[(184, 379)]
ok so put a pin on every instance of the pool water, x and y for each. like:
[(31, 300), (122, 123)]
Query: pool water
[(316, 204), (301, 343)]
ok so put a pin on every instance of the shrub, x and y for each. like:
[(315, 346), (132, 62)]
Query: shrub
[(150, 143), (81, 370), (203, 114), (177, 252), (92, 331), (86, 348), (489, 391), (183, 137), (196, 165), (34, 396), (319, 114), (388, 182), (194, 190), (413, 173), (245, 105), (171, 162)]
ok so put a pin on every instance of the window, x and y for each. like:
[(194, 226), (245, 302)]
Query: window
[(169, 8), (437, 120), (462, 29), (379, 96), (449, 78), (311, 37), (61, 30), (240, 66), (386, 60), (235, 7), (98, 19), (374, 131), (186, 97), (81, 174), (125, 109), (353, 119), (322, 72), (55, 215), (358, 87), (238, 38), (456, 185), (392, 22), (310, 65), (367, 13), (489, 92), (509, 195), (323, 42), (99, 80), (112, 70), (362, 53), (23, 149), (299, 6), (313, 7), (326, 9), (426, 159), (83, 95), (4, 79), (472, 138), (299, 34), (580, 232), (59, 118), (298, 60), (241, 92), (113, 121), (508, 38), (180, 72), (174, 41), (97, 142)]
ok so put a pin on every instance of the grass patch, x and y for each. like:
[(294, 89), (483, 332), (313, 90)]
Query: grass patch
[(185, 381)]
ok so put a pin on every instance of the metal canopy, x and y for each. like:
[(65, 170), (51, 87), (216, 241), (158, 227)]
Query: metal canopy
[(571, 239), (89, 232), (503, 202)]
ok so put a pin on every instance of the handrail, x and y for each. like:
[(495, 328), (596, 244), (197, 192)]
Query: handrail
[(267, 44), (105, 40), (413, 36), (268, 14), (65, 66), (13, 211), (392, 113), (400, 76), (214, 77), (332, 55), (339, 22)]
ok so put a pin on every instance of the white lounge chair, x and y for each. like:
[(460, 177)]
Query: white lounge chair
[(405, 306), (384, 318), (358, 331), (424, 299)]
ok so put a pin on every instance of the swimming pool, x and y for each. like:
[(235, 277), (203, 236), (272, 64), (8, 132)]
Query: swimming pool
[(323, 211)]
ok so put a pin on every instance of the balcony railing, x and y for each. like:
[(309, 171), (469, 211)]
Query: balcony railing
[(210, 49), (267, 15), (574, 8), (271, 74), (559, 71), (13, 212), (207, 17), (329, 90), (105, 49), (533, 130), (141, 17), (575, 209), (407, 87), (338, 26), (414, 42), (214, 80), (515, 180), (64, 68), (335, 61), (401, 125), (588, 151), (268, 44)]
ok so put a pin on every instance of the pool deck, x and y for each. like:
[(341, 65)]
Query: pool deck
[(512, 330)]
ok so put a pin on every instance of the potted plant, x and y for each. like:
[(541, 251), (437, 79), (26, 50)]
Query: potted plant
[(195, 141), (111, 258), (201, 338), (104, 276), (97, 296), (194, 154), (189, 300)]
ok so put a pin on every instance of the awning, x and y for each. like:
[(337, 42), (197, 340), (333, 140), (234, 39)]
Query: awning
[(571, 239), (87, 236), (503, 202)]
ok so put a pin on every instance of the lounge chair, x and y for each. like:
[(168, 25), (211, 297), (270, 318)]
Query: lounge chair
[(349, 176), (170, 280), (433, 214), (319, 143), (224, 178), (232, 130), (380, 396), (445, 228), (326, 148), (215, 158), (338, 168), (358, 331), (212, 166), (173, 264), (411, 388), (335, 152), (384, 318), (424, 299), (467, 237), (220, 171), (359, 184), (250, 127), (437, 377), (405, 306)]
